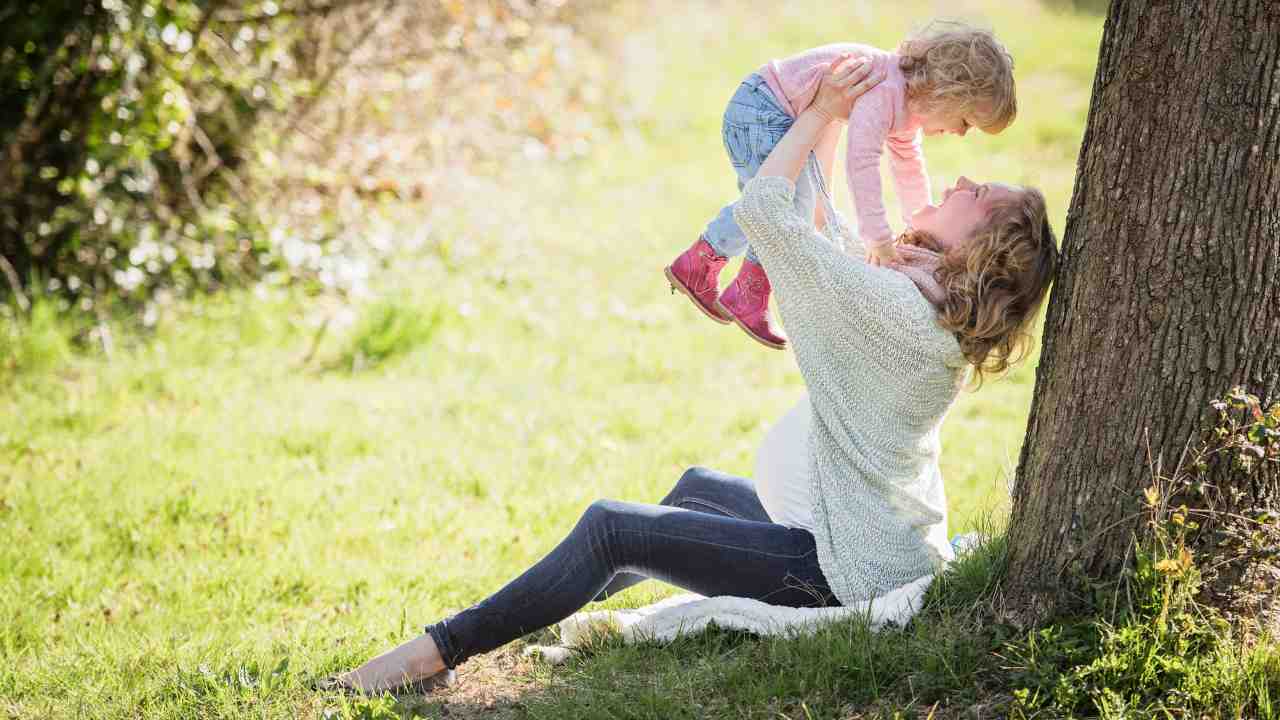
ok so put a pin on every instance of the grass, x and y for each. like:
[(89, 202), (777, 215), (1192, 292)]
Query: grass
[(388, 329), (35, 341), (201, 521)]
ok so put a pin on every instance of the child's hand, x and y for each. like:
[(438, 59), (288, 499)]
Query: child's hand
[(846, 79), (881, 255)]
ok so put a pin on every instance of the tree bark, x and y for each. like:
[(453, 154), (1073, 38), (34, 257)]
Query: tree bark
[(1168, 293)]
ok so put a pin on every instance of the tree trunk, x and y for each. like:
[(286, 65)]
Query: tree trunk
[(1168, 292)]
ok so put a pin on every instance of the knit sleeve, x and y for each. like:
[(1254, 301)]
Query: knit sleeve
[(839, 233), (906, 161), (827, 299), (869, 126)]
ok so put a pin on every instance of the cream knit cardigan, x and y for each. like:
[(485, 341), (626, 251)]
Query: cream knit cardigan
[(881, 375)]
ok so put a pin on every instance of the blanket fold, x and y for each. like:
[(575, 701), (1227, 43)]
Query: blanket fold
[(691, 613), (667, 619)]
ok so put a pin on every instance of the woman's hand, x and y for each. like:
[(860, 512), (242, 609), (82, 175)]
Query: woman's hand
[(846, 79)]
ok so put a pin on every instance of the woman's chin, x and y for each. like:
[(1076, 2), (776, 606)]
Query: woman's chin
[(922, 213)]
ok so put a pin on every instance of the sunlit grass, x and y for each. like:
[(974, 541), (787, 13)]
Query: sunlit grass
[(386, 330), (199, 522), (37, 341)]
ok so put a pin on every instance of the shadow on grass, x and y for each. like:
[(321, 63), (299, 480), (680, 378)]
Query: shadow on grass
[(500, 685)]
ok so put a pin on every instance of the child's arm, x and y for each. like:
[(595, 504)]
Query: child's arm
[(869, 125), (906, 160)]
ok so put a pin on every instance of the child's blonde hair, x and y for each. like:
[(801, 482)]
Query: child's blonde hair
[(958, 69), (996, 282)]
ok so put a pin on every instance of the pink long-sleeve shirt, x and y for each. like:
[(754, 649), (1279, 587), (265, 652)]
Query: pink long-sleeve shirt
[(879, 119)]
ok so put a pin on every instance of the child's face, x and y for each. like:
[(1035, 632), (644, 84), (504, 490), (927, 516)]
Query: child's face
[(965, 207), (946, 124)]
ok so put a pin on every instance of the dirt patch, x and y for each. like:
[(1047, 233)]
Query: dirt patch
[(495, 686)]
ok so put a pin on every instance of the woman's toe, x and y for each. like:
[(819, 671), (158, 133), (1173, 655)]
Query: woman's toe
[(442, 679), (334, 683), (348, 683)]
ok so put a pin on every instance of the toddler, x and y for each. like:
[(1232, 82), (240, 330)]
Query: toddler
[(948, 78)]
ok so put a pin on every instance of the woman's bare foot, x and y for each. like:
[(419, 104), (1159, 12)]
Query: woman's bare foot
[(414, 661)]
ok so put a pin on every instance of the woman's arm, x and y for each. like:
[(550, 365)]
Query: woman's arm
[(827, 299), (826, 152)]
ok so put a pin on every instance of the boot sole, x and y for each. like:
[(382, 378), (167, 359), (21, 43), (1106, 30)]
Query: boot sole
[(677, 285), (767, 343)]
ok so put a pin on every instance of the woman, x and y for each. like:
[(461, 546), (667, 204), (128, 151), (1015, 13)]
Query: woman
[(883, 351)]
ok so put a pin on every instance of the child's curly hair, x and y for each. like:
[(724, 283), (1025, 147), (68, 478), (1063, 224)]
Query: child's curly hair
[(996, 282), (955, 68)]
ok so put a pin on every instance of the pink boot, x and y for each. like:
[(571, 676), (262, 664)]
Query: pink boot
[(696, 273), (746, 300)]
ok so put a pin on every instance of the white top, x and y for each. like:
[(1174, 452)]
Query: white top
[(782, 469), (881, 375)]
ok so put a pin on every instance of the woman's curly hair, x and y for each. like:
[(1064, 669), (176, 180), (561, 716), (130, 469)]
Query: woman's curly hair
[(996, 282), (957, 69)]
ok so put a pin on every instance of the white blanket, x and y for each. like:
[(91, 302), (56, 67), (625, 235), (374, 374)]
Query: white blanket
[(686, 614)]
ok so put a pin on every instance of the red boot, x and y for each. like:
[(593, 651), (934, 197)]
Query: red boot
[(696, 273), (746, 300)]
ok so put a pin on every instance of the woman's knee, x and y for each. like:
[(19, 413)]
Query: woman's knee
[(607, 528), (694, 478), (600, 515), (696, 474)]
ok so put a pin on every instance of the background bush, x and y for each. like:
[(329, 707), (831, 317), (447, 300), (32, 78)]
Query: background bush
[(158, 147), (125, 129)]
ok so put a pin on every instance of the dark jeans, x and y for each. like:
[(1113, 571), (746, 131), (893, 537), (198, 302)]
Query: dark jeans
[(710, 535)]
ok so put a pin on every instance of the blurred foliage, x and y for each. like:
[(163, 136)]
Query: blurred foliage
[(154, 148), (124, 124), (1097, 7)]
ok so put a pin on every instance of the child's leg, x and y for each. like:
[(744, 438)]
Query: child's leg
[(743, 144), (746, 299), (753, 124), (751, 118)]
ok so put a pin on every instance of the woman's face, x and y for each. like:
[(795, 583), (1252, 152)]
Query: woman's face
[(964, 209)]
